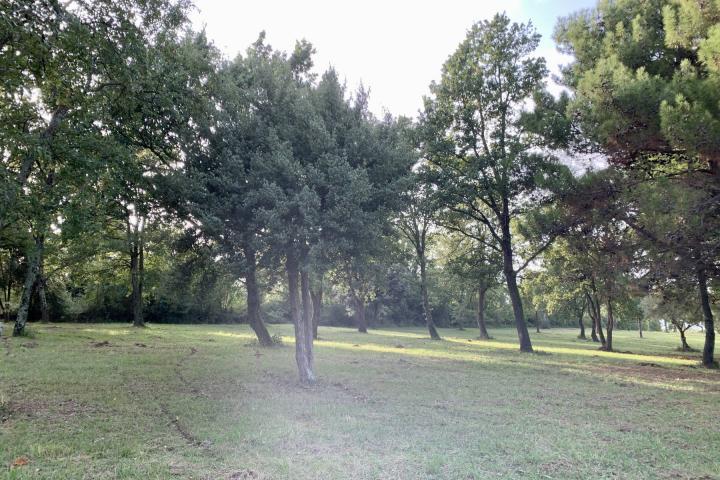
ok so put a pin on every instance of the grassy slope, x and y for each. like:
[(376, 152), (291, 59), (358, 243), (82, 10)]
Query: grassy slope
[(202, 402)]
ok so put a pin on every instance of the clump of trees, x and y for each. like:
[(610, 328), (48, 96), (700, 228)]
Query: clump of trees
[(144, 177)]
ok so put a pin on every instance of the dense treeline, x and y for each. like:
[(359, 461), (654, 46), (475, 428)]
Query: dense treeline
[(147, 178)]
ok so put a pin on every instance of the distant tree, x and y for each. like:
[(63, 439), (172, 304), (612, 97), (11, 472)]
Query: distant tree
[(415, 224), (561, 286), (470, 258), (674, 305)]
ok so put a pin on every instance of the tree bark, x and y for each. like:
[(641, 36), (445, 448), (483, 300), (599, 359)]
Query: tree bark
[(582, 324), (426, 302), (610, 326), (316, 294), (597, 314), (44, 310), (683, 340), (136, 280), (593, 320), (709, 347), (303, 358), (31, 276), (307, 315), (360, 318), (514, 292), (8, 293), (482, 292), (254, 313)]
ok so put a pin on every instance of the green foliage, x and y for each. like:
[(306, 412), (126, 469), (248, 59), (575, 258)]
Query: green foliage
[(645, 77)]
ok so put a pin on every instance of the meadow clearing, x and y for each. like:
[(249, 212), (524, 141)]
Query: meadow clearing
[(204, 402)]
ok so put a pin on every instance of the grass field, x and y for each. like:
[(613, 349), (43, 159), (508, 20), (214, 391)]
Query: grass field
[(166, 402)]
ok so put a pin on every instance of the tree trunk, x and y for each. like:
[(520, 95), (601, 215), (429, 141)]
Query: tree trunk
[(303, 357), (537, 322), (683, 340), (307, 315), (360, 318), (593, 320), (582, 324), (640, 325), (511, 280), (136, 280), (426, 303), (8, 293), (709, 347), (44, 310), (31, 276), (253, 299), (482, 292), (610, 326), (316, 294), (598, 320)]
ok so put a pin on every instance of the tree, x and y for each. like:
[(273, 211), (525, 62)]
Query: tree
[(481, 156), (475, 263), (561, 287), (102, 70), (415, 223), (673, 303), (645, 82)]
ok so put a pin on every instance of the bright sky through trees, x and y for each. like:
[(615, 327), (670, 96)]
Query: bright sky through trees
[(395, 48)]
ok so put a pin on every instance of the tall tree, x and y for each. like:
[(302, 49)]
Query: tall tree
[(645, 79), (483, 160)]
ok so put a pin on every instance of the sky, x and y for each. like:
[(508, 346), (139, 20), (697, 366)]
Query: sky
[(395, 48)]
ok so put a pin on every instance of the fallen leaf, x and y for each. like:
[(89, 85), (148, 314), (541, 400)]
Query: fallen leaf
[(20, 462)]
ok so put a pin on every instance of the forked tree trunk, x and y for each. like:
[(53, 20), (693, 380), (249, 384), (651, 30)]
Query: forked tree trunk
[(598, 321), (253, 299), (683, 340), (303, 357), (426, 302), (610, 326), (593, 321), (709, 347), (685, 346), (514, 292), (482, 292), (31, 276)]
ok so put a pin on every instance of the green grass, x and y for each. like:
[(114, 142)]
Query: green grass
[(203, 402)]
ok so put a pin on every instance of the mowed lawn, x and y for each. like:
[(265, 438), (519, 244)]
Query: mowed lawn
[(109, 401)]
